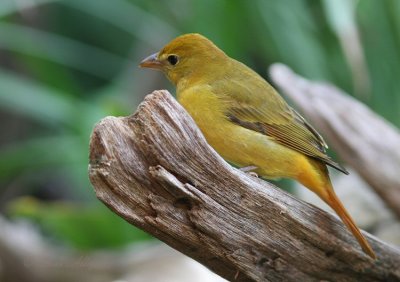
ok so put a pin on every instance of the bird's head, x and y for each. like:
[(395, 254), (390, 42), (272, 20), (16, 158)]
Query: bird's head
[(186, 56)]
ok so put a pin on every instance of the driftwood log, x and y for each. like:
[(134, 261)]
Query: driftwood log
[(155, 169), (364, 140)]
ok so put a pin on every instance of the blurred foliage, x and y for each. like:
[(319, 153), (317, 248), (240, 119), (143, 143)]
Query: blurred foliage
[(64, 64), (82, 227)]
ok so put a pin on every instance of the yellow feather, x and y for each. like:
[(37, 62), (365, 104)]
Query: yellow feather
[(246, 121)]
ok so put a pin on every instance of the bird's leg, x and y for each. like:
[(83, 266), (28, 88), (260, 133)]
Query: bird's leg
[(249, 169)]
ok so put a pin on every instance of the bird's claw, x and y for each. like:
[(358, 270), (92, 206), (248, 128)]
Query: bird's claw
[(249, 169)]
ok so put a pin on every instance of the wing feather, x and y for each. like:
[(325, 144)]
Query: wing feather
[(282, 123), (251, 102)]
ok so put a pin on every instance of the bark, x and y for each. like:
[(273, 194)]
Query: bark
[(363, 140), (155, 169)]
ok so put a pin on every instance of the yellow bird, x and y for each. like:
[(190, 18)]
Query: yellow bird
[(246, 121)]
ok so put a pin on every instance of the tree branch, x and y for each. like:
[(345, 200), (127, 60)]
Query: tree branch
[(364, 140), (156, 170)]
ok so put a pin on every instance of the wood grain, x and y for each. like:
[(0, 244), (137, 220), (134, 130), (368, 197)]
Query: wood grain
[(155, 169)]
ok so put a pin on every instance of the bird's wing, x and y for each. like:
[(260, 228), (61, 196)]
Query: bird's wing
[(277, 120)]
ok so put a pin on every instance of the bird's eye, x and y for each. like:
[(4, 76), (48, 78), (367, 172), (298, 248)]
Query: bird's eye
[(173, 59)]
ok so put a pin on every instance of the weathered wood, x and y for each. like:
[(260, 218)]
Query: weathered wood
[(155, 169), (364, 140)]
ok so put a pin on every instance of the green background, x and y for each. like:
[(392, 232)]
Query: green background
[(66, 64)]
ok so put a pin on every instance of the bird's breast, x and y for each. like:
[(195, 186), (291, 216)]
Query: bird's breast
[(234, 143)]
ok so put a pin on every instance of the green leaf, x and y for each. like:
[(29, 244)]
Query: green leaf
[(294, 38), (60, 49), (34, 100), (131, 18), (43, 104)]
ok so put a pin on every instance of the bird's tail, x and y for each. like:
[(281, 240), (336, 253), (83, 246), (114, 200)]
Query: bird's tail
[(333, 201)]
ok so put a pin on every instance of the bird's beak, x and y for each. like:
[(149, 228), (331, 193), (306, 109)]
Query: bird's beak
[(151, 62)]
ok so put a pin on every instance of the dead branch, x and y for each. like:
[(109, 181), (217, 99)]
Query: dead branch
[(364, 140), (156, 170)]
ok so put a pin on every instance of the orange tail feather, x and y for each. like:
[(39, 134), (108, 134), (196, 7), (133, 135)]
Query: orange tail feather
[(334, 202)]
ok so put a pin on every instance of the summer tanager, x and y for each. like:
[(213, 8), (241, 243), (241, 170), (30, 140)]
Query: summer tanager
[(246, 121)]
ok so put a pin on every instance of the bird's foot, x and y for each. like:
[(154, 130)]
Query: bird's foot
[(249, 169)]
